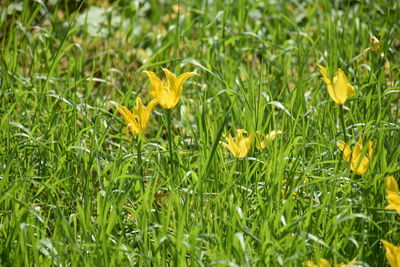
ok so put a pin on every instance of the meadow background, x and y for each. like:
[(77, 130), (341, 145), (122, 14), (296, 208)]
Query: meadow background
[(71, 190)]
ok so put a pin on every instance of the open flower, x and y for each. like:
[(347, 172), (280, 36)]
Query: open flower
[(358, 162), (263, 141), (392, 195), (170, 91), (324, 263), (339, 88), (241, 145), (392, 253), (137, 120)]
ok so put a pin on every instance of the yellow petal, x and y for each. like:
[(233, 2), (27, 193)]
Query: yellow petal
[(350, 90), (239, 135), (322, 263), (231, 146), (324, 74), (350, 263), (341, 87), (391, 185), (155, 84), (392, 253), (171, 78), (394, 201), (332, 94), (358, 165), (328, 83), (141, 115), (139, 109), (182, 78), (346, 150), (244, 146), (123, 113), (153, 103), (126, 114), (360, 168)]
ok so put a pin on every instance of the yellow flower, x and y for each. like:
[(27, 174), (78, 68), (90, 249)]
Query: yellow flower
[(137, 120), (241, 145), (263, 141), (392, 195), (170, 91), (359, 163), (324, 263), (339, 88), (392, 253)]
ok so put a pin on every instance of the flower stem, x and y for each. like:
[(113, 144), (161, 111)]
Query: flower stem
[(171, 155), (342, 122), (139, 158)]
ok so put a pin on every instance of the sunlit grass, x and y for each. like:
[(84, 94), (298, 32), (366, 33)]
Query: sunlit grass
[(76, 190)]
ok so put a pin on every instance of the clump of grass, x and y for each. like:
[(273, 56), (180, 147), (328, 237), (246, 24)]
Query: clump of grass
[(71, 192)]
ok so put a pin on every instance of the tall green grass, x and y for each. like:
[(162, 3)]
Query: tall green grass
[(70, 187)]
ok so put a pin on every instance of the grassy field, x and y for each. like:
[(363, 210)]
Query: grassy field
[(76, 190)]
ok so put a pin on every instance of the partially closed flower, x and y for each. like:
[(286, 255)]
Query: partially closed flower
[(392, 253), (392, 195), (339, 88), (358, 162)]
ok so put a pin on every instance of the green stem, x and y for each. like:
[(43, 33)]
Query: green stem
[(139, 159), (342, 122), (171, 155), (344, 131)]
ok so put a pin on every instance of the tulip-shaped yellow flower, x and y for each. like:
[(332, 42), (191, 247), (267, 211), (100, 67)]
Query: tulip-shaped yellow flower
[(137, 120), (170, 91), (339, 88), (358, 163), (346, 150), (392, 195), (392, 253), (324, 263), (241, 145), (263, 141)]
